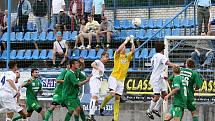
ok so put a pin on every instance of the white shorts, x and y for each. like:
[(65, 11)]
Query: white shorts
[(116, 85), (95, 86), (9, 104), (159, 86)]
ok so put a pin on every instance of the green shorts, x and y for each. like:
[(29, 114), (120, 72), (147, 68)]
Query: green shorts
[(33, 105), (57, 99), (72, 104), (176, 111), (191, 103)]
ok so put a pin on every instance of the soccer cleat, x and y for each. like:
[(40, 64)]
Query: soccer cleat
[(149, 114), (101, 112), (91, 118), (156, 112)]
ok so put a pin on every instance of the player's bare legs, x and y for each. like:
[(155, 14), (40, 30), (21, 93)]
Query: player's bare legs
[(156, 109)]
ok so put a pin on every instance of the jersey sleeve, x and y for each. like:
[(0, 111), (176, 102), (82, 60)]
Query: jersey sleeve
[(82, 77), (164, 60), (10, 76), (198, 80), (171, 78), (130, 56), (116, 55), (62, 75), (176, 83)]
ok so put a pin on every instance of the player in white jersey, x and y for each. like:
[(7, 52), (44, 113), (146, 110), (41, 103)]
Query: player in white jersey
[(95, 82), (157, 80), (9, 92)]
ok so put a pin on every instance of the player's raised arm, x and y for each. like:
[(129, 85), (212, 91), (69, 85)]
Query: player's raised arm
[(85, 81), (122, 46), (170, 64), (132, 44)]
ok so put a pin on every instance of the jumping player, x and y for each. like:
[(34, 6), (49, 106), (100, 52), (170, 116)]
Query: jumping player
[(116, 80), (157, 80), (95, 82), (34, 86), (179, 85), (9, 92)]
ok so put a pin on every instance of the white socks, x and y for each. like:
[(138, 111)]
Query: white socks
[(158, 104), (8, 119), (152, 105), (92, 107)]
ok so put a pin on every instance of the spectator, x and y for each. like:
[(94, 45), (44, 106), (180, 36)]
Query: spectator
[(1, 23), (98, 9), (83, 23), (60, 49), (64, 21), (57, 5), (203, 14), (75, 9), (13, 21), (203, 53), (202, 57), (40, 10), (210, 32), (87, 8), (23, 8), (106, 29), (90, 30)]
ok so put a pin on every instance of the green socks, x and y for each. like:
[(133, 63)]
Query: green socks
[(76, 117), (195, 118), (17, 118), (48, 114), (68, 116)]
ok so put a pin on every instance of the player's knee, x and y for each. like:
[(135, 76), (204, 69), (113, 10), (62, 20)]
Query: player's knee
[(117, 97), (39, 109)]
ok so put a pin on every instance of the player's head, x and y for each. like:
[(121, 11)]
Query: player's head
[(190, 63), (74, 64), (159, 47), (12, 65), (90, 18), (176, 70), (35, 72), (105, 57)]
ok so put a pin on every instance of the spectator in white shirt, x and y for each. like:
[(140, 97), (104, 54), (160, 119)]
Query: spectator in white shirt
[(98, 10), (57, 5), (60, 49)]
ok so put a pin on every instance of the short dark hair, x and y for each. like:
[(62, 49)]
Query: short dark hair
[(34, 69), (73, 62), (104, 53), (159, 47), (176, 69), (90, 15), (12, 64), (190, 63)]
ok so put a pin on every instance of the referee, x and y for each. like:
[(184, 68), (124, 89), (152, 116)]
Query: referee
[(203, 14)]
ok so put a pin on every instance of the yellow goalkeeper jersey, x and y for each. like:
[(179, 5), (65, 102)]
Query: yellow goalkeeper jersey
[(121, 65)]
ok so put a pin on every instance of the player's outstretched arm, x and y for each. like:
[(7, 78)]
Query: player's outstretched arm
[(123, 45), (94, 65), (60, 81), (85, 81), (170, 64), (171, 93), (132, 45)]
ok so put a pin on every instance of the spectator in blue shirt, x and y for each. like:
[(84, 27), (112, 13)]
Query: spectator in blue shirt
[(87, 8), (203, 14), (98, 10), (210, 32)]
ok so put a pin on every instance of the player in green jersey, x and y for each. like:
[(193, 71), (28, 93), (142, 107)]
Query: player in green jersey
[(194, 81), (57, 97), (179, 91), (34, 87), (71, 89)]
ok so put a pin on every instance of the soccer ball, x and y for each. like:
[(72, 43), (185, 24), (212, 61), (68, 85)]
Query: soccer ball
[(136, 22)]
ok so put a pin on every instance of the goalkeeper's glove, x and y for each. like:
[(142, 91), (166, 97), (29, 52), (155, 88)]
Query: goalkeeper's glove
[(131, 39)]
